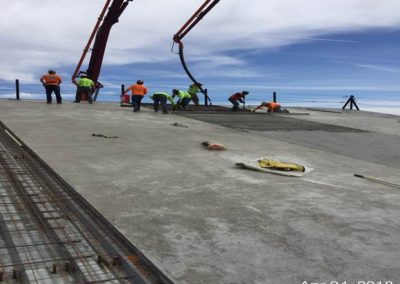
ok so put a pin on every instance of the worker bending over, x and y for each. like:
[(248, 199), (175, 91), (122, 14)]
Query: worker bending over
[(51, 83), (85, 86), (236, 98), (139, 90), (162, 97), (271, 106), (184, 98), (193, 90)]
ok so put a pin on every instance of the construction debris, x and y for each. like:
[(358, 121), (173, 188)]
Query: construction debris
[(213, 146), (103, 136), (177, 124)]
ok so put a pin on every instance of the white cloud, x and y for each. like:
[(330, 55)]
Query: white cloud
[(379, 67), (38, 34)]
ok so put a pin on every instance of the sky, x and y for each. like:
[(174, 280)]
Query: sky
[(308, 51)]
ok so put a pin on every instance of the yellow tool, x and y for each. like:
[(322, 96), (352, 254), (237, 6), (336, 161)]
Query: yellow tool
[(277, 165)]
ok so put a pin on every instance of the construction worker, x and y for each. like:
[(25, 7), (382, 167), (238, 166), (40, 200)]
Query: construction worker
[(184, 98), (138, 92), (193, 90), (272, 106), (238, 97), (162, 97), (51, 82), (85, 86)]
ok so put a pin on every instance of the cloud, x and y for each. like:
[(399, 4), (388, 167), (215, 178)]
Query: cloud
[(38, 34), (384, 68)]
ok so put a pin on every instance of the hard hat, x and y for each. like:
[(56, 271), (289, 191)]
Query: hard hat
[(263, 102), (51, 71), (140, 82), (245, 92), (174, 91)]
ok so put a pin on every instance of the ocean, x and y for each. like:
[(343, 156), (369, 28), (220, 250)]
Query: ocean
[(382, 102)]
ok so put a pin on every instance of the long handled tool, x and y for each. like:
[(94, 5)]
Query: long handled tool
[(378, 180)]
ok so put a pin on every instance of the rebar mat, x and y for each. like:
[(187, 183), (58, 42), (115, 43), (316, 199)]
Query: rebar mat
[(50, 234)]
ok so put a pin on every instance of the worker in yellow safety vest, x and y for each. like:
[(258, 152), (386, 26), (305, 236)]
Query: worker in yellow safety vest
[(162, 97), (193, 90), (184, 98), (85, 86)]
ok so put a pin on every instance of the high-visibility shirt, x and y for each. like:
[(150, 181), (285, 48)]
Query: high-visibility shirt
[(237, 97), (51, 79), (183, 95), (85, 82), (164, 95), (193, 89), (272, 106), (137, 90)]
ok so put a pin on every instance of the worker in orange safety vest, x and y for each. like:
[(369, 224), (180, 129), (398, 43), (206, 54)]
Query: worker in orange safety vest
[(236, 98), (139, 90), (51, 83), (271, 106)]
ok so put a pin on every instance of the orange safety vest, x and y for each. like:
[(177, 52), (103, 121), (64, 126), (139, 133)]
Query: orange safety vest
[(51, 79), (138, 90), (272, 106)]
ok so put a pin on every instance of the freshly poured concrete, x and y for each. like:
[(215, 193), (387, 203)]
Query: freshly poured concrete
[(201, 220)]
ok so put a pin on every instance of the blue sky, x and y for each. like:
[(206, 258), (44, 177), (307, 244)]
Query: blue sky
[(304, 56)]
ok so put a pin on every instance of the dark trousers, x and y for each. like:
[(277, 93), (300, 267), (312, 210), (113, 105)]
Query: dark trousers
[(235, 104), (160, 99), (136, 102), (56, 89), (183, 103), (87, 91), (195, 99)]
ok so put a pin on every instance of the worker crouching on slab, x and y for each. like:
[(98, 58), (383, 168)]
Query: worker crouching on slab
[(271, 107), (162, 97), (193, 90), (184, 98), (85, 86), (236, 98), (138, 90), (51, 83)]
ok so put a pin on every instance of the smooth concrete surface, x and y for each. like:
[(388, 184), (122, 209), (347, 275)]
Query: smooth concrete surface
[(201, 220)]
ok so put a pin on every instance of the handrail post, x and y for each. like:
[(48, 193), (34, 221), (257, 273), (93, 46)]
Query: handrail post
[(17, 88)]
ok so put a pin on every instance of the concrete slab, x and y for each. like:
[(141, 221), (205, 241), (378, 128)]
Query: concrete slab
[(200, 219)]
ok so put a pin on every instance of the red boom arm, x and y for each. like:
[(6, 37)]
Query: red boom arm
[(197, 16)]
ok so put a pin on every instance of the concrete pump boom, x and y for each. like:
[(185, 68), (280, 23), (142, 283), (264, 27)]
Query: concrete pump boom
[(100, 33), (197, 16)]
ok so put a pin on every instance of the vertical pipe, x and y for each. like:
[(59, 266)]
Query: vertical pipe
[(274, 97), (17, 88), (206, 97), (351, 102), (122, 89)]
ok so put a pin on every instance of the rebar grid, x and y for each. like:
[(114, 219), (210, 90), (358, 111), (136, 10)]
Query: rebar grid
[(49, 233)]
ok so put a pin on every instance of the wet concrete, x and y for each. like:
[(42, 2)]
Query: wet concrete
[(265, 121), (201, 220)]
